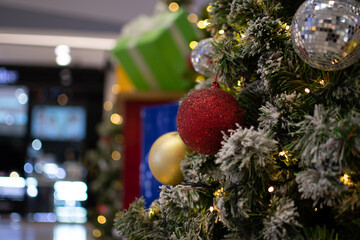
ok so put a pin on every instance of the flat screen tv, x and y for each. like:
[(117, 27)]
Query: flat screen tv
[(13, 110), (58, 123)]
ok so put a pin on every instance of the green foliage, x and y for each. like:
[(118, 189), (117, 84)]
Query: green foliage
[(138, 223), (293, 170), (251, 98), (322, 233)]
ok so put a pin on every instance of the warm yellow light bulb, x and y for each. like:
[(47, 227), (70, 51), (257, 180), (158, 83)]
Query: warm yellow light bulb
[(221, 31), (108, 106), (173, 6), (322, 82), (101, 219), (346, 180), (116, 155), (96, 233), (206, 22), (307, 90), (271, 189), (151, 212), (193, 44), (193, 18), (200, 78), (62, 99), (201, 24), (219, 192), (211, 209), (116, 118), (115, 89)]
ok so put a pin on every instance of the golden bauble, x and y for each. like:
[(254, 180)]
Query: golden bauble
[(165, 156)]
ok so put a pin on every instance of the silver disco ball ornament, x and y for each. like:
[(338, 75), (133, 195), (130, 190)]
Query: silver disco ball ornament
[(201, 57), (325, 34)]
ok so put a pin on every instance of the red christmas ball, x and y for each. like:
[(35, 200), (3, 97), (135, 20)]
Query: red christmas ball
[(203, 115)]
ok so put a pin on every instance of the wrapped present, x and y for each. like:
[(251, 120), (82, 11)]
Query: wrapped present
[(153, 51), (123, 81)]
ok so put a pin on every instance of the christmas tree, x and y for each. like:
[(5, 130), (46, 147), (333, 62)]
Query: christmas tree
[(288, 167), (104, 167)]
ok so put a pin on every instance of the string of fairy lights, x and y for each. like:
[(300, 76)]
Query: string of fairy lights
[(117, 119)]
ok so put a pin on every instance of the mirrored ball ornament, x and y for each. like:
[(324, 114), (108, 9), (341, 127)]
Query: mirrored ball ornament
[(325, 34), (201, 57)]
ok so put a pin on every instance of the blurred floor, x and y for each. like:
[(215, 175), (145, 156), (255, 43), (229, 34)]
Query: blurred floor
[(43, 231)]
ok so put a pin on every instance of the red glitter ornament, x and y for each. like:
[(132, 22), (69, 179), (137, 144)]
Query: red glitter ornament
[(203, 115)]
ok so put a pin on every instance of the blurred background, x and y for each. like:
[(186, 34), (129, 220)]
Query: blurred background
[(70, 116)]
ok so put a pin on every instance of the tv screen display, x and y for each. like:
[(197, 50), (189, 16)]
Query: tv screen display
[(58, 123), (13, 110)]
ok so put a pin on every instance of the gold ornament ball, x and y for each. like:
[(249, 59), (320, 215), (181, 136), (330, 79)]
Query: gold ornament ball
[(165, 156)]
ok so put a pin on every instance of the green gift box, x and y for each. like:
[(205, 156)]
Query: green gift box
[(153, 51)]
